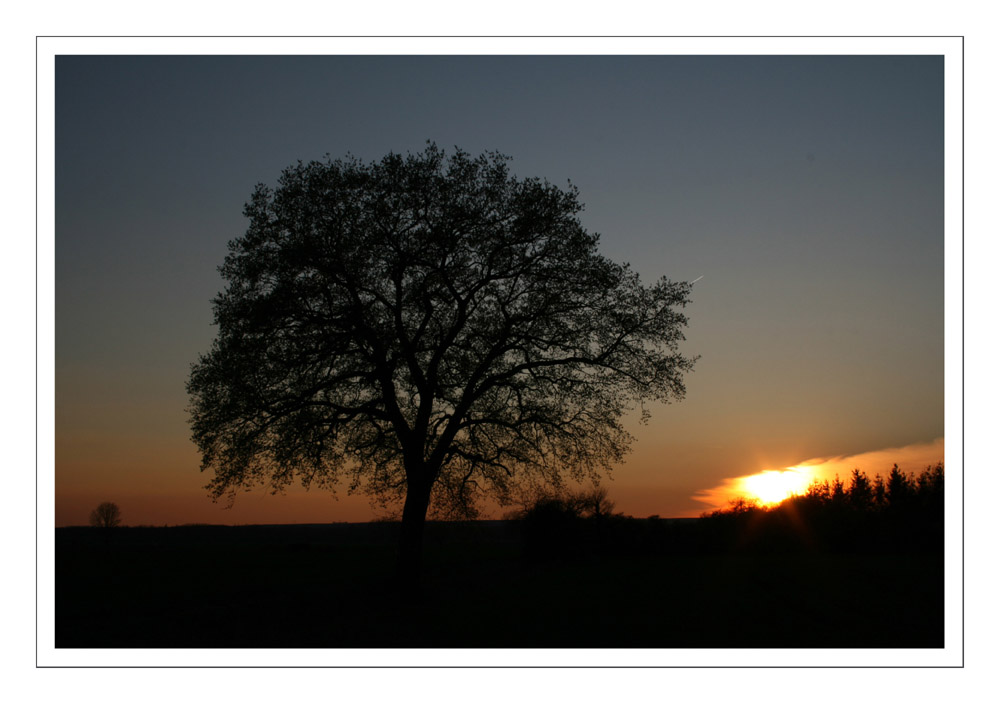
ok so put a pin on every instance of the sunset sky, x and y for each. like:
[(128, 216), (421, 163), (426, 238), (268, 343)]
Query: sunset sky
[(805, 194)]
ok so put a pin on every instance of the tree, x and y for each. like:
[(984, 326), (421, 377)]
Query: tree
[(879, 492), (594, 503), (427, 328), (107, 515), (837, 492), (898, 487), (860, 492)]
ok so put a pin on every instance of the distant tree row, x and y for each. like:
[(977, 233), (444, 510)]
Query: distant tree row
[(899, 512), (898, 489), (859, 492)]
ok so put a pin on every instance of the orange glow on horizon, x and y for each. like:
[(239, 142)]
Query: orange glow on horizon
[(771, 486)]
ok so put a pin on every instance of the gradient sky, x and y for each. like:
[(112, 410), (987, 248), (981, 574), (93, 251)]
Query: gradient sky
[(807, 191)]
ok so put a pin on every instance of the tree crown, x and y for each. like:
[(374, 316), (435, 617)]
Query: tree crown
[(426, 321), (106, 515)]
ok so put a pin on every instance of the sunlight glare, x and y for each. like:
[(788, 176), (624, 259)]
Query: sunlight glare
[(774, 486)]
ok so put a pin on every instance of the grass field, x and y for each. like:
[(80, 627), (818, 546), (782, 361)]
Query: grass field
[(333, 586)]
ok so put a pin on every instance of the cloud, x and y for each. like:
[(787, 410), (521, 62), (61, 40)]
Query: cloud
[(910, 458)]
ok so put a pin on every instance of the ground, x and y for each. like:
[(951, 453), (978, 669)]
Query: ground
[(332, 586)]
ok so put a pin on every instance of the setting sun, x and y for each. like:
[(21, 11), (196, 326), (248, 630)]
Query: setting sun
[(774, 486)]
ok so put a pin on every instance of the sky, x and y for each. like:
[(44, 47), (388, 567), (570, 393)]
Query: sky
[(804, 193)]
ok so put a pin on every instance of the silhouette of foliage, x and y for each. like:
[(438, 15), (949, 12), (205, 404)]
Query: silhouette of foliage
[(430, 329), (899, 487), (565, 523), (595, 503), (838, 494), (860, 492), (106, 515), (879, 495)]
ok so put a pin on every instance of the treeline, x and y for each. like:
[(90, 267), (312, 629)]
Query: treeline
[(898, 491), (899, 513)]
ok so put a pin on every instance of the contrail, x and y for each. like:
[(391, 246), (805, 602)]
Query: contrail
[(698, 279)]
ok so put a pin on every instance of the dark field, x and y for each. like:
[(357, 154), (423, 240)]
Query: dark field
[(649, 584)]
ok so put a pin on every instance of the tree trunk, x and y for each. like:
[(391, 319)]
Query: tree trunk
[(411, 537)]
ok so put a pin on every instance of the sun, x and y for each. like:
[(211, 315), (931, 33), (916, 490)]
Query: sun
[(774, 486)]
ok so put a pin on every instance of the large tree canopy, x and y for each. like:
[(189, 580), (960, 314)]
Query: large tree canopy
[(428, 326)]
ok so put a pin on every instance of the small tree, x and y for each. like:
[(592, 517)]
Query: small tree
[(931, 481), (107, 515), (431, 329), (818, 492), (899, 487), (742, 505), (594, 503), (860, 492), (838, 494), (879, 492)]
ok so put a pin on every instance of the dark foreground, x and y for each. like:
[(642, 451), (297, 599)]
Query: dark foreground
[(332, 587)]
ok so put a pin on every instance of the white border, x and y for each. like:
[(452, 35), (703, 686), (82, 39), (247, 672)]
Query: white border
[(448, 45), (950, 47)]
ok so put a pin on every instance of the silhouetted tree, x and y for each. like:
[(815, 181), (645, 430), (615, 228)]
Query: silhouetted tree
[(595, 503), (427, 328), (899, 487), (838, 495), (741, 505), (878, 491), (860, 491), (931, 481), (106, 515), (818, 492)]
